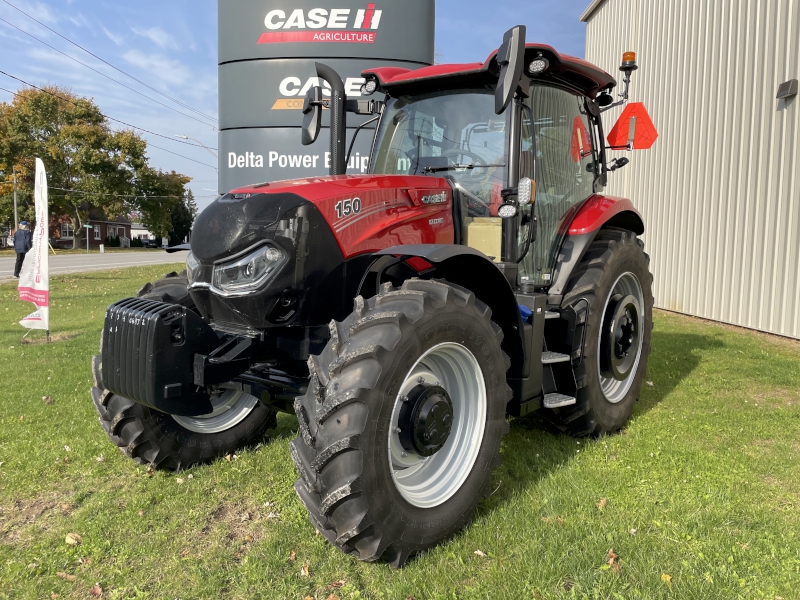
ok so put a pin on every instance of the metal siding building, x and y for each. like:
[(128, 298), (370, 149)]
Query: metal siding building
[(720, 189)]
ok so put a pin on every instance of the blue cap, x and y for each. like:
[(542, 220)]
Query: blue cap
[(23, 222), (525, 312)]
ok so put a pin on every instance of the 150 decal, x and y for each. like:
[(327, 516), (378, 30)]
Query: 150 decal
[(345, 208)]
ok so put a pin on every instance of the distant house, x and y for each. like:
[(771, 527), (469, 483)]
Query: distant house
[(62, 233), (140, 232)]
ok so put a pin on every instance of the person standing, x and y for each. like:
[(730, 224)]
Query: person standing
[(22, 244)]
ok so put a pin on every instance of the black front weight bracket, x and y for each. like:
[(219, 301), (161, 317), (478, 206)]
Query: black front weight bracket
[(230, 360)]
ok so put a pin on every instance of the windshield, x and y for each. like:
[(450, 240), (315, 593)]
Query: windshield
[(455, 134)]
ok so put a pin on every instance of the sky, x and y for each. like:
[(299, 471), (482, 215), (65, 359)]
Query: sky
[(171, 46)]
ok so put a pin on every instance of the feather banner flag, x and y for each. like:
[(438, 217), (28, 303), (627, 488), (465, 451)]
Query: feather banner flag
[(34, 279)]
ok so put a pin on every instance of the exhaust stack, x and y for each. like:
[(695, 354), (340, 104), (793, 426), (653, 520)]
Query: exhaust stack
[(338, 117)]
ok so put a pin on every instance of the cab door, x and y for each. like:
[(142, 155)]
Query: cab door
[(558, 153)]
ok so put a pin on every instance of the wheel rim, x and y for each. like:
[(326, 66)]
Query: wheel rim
[(428, 481), (625, 333), (230, 409)]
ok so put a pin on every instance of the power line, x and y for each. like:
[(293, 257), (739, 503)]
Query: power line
[(135, 91), (50, 187), (111, 119), (166, 137), (148, 143), (182, 156), (146, 196), (134, 196), (186, 106)]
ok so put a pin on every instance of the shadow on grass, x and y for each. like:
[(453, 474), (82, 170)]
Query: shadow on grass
[(532, 450)]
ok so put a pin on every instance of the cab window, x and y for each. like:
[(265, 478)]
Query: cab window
[(563, 166), (454, 134)]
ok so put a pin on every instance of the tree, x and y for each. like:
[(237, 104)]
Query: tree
[(160, 194), (89, 165), (182, 218), (191, 204), (24, 200)]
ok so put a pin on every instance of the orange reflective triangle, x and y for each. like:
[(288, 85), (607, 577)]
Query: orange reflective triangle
[(646, 133)]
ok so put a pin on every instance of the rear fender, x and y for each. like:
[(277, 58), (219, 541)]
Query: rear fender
[(468, 268), (595, 214)]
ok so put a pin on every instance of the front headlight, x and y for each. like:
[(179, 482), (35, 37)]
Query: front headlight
[(248, 273), (191, 267)]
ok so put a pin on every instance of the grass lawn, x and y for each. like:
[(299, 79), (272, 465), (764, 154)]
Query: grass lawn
[(698, 498)]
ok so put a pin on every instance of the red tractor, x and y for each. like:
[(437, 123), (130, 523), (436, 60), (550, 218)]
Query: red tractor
[(476, 273)]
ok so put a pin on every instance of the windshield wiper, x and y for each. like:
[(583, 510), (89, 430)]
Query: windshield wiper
[(430, 169)]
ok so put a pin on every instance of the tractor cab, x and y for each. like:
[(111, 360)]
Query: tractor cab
[(456, 134), (518, 137)]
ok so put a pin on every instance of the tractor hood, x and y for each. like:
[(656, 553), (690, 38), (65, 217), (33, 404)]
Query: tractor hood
[(366, 213), (327, 228)]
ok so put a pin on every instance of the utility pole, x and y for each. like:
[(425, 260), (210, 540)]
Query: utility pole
[(16, 217)]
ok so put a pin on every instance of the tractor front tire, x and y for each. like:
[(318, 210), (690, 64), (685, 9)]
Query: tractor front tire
[(170, 442), (614, 277), (401, 426)]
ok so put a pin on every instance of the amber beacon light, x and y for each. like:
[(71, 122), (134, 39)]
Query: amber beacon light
[(628, 62)]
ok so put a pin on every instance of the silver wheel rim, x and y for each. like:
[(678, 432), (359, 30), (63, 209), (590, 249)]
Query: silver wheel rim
[(613, 389), (230, 409), (430, 481)]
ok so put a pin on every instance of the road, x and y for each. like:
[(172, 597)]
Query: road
[(78, 263)]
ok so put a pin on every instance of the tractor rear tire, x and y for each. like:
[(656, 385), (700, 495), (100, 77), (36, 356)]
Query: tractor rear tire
[(614, 271), (169, 442), (370, 493)]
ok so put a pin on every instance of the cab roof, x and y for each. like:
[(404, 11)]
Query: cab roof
[(565, 71)]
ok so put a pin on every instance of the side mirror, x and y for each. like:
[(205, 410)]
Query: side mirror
[(511, 58), (618, 163), (604, 99), (312, 115)]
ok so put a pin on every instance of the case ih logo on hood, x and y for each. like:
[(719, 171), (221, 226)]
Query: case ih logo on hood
[(322, 25)]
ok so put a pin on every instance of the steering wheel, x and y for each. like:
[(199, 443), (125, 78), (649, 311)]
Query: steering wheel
[(478, 161), (456, 151)]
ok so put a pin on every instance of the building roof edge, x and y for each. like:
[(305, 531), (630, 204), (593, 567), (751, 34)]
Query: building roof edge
[(593, 6)]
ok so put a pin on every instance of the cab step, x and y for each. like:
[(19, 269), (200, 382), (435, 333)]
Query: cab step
[(549, 358), (558, 400)]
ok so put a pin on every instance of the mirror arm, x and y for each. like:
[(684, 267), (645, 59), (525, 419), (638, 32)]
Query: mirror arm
[(363, 107), (623, 96)]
